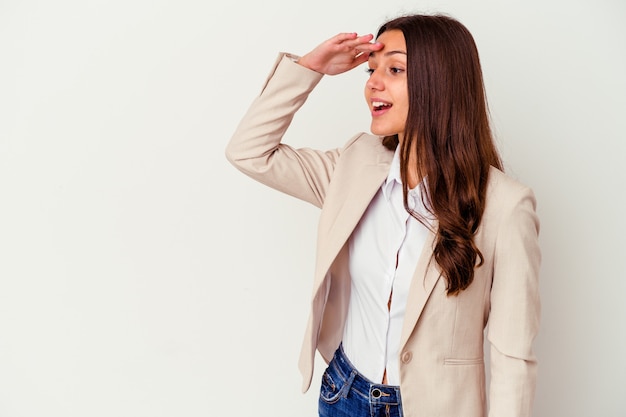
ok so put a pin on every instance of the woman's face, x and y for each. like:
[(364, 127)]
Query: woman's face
[(386, 90)]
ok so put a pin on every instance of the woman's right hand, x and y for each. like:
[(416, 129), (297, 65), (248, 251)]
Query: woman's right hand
[(340, 53)]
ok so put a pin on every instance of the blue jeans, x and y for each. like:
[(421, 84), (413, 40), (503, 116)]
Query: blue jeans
[(347, 393)]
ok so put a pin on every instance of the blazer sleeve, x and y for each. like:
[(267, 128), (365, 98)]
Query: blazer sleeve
[(256, 149), (515, 309)]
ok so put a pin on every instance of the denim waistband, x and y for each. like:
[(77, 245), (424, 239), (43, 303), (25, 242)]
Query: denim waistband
[(376, 393)]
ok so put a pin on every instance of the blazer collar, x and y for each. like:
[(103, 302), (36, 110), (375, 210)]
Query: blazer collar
[(350, 199)]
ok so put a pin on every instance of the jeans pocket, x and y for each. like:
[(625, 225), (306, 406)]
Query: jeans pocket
[(332, 385)]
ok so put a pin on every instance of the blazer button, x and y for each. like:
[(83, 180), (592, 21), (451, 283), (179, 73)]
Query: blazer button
[(406, 357)]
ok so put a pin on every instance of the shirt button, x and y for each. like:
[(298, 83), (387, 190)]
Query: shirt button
[(406, 357)]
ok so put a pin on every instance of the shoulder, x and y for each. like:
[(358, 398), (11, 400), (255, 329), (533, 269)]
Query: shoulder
[(365, 145), (508, 201), (503, 189), (364, 140)]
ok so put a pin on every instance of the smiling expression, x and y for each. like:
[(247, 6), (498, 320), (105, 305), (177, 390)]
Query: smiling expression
[(386, 90)]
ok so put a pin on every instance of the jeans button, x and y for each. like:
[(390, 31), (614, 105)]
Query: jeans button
[(376, 393)]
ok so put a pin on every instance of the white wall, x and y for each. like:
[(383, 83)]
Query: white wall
[(141, 275)]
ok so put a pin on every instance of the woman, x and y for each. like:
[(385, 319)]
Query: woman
[(423, 241)]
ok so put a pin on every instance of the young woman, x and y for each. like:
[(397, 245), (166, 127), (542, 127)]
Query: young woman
[(423, 241)]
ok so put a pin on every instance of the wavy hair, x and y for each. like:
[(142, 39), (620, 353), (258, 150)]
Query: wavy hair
[(448, 130)]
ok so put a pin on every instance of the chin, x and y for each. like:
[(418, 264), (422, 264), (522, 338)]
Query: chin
[(378, 131), (381, 132)]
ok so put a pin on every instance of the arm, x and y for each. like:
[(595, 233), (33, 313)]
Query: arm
[(256, 148), (515, 311)]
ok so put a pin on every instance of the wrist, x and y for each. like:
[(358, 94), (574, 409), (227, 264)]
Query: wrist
[(305, 62)]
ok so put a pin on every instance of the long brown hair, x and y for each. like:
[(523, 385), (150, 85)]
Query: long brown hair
[(448, 131)]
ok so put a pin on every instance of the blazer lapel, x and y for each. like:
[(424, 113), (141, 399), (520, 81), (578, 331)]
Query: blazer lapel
[(425, 277), (350, 198)]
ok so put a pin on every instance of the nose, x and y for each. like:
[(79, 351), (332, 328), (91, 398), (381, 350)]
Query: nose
[(374, 82)]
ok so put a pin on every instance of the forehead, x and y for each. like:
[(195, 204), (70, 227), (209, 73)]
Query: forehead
[(394, 44)]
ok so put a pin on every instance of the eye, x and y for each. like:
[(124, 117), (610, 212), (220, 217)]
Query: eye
[(369, 71), (396, 70)]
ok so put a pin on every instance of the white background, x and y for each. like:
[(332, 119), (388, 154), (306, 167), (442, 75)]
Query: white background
[(142, 275)]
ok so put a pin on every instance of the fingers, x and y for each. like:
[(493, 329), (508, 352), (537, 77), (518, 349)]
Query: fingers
[(365, 38), (351, 39), (340, 53), (346, 36), (369, 47), (363, 44), (360, 59)]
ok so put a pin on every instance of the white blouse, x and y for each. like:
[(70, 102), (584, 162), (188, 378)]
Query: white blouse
[(384, 250)]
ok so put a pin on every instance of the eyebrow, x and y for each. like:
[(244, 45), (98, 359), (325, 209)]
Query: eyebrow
[(394, 52)]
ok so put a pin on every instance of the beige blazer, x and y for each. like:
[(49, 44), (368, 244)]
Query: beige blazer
[(442, 369)]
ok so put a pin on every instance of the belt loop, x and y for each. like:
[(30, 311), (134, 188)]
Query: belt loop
[(348, 384)]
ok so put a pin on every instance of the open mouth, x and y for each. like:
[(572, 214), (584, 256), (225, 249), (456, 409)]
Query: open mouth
[(379, 105)]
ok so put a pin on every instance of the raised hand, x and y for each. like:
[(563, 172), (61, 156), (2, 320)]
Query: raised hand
[(340, 53)]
